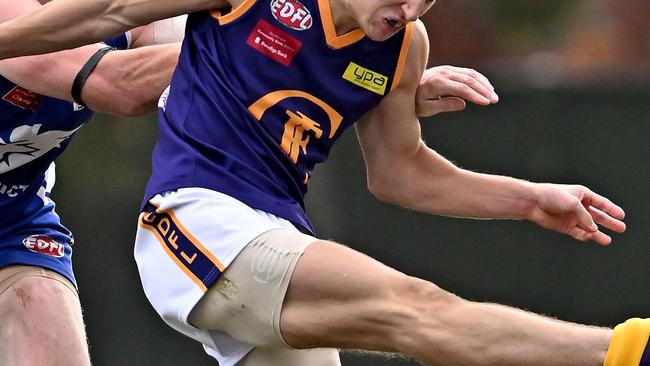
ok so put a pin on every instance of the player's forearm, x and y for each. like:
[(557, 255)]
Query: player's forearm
[(50, 74), (429, 183), (56, 26), (476, 195), (129, 83), (64, 24)]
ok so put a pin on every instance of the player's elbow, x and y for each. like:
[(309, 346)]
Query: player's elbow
[(393, 189), (415, 186), (122, 103), (137, 107)]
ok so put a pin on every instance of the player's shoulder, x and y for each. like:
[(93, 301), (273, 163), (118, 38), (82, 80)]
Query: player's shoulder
[(418, 53), (420, 40)]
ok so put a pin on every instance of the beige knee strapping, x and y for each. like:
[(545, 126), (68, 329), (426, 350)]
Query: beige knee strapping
[(247, 299), (291, 357), (10, 274)]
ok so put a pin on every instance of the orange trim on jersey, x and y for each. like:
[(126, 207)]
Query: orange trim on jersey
[(171, 255), (403, 54), (234, 13), (333, 40), (258, 108)]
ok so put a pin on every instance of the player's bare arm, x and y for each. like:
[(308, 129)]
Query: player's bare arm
[(403, 170), (65, 24), (124, 83), (134, 77)]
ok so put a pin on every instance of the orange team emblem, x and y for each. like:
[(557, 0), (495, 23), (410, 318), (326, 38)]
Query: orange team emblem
[(298, 128)]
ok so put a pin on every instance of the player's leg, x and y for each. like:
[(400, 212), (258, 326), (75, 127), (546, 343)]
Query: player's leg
[(291, 357), (40, 319), (246, 301), (182, 239), (339, 297)]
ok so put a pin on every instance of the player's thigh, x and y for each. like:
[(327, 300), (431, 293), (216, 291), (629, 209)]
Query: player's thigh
[(291, 357), (290, 290), (40, 319), (246, 301), (339, 297)]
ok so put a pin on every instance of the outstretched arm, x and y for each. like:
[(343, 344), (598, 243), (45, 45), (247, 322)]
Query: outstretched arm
[(130, 82), (65, 24), (403, 170), (123, 83)]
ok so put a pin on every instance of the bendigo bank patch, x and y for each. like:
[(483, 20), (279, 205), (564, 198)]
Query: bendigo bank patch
[(273, 42), (23, 98), (196, 261)]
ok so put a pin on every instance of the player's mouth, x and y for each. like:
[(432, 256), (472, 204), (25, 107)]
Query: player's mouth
[(394, 23)]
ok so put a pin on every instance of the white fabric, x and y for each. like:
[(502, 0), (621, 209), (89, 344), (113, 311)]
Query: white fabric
[(224, 226), (169, 30)]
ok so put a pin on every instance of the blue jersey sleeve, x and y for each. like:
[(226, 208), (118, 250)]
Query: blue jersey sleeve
[(121, 42)]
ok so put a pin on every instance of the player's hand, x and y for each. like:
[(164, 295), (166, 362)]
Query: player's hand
[(577, 211), (446, 88)]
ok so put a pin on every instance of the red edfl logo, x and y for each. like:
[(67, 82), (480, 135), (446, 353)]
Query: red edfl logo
[(292, 14), (44, 245)]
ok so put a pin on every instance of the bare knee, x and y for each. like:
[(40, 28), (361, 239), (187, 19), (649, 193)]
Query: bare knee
[(44, 311)]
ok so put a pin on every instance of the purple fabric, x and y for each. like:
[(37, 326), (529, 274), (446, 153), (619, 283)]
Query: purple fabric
[(209, 139)]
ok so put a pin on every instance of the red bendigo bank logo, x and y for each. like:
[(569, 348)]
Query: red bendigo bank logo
[(292, 14)]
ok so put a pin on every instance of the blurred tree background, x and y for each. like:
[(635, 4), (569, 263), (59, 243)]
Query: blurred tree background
[(573, 77)]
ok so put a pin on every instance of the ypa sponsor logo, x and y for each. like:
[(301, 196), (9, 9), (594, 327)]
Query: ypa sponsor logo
[(366, 78), (292, 14), (44, 245)]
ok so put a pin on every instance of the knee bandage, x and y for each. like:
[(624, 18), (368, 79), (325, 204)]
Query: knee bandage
[(629, 344)]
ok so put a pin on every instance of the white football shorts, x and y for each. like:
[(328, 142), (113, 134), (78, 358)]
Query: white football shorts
[(185, 240)]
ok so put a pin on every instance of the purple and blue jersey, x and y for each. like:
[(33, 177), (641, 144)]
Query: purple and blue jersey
[(34, 131), (259, 97)]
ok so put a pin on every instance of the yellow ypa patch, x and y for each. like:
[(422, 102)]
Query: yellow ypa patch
[(365, 78)]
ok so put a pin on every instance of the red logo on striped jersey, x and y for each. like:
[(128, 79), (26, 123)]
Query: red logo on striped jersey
[(23, 98), (292, 14), (44, 245)]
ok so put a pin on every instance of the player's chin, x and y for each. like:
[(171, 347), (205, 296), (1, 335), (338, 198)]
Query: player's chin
[(382, 32), (380, 37)]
